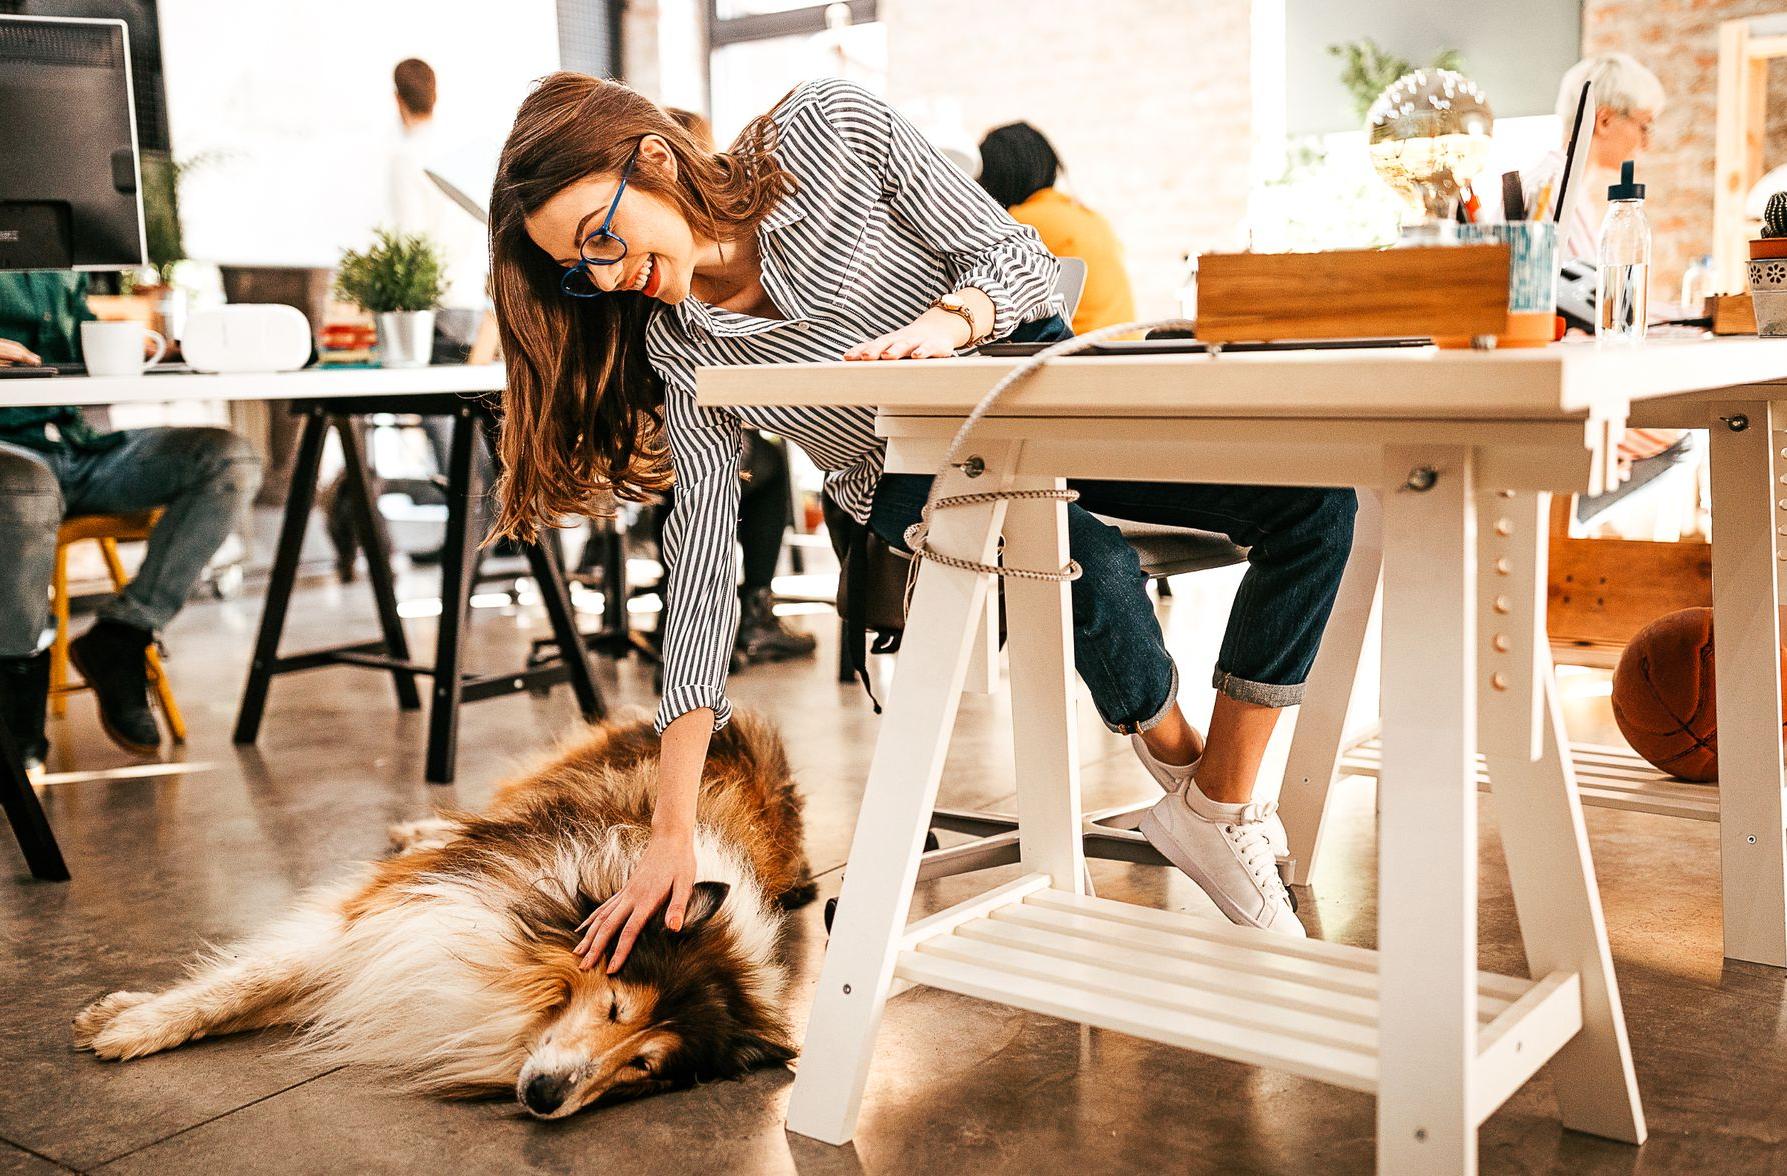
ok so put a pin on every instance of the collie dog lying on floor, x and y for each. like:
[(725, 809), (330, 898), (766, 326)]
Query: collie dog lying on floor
[(450, 966)]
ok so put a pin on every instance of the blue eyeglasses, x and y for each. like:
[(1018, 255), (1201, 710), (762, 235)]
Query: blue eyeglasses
[(601, 247)]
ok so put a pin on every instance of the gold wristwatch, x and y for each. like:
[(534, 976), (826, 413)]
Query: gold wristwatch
[(954, 303)]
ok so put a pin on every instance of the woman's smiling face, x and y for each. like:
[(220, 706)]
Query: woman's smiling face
[(661, 245)]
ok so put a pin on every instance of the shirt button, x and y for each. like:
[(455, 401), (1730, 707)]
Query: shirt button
[(806, 326)]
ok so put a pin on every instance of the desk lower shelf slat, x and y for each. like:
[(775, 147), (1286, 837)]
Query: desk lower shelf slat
[(1302, 1006), (1606, 777)]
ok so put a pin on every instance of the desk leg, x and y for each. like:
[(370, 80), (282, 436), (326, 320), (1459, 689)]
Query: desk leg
[(1044, 727), (298, 501), (1321, 720), (36, 840), (896, 812), (457, 556), (549, 573), (1559, 906), (1427, 827), (1746, 470), (377, 545)]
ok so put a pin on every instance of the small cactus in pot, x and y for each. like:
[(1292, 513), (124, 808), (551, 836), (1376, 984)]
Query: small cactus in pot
[(1768, 270)]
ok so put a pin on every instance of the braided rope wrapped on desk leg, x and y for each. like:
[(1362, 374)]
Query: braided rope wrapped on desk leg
[(918, 534)]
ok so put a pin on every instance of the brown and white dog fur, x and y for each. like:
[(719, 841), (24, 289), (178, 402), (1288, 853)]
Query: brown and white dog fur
[(450, 964)]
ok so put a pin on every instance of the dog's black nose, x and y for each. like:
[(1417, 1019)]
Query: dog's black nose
[(544, 1093)]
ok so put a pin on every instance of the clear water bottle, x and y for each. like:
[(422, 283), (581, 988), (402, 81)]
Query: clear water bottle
[(1697, 285), (1622, 295)]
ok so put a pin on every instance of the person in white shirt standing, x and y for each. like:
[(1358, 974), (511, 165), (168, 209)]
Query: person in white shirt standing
[(419, 206)]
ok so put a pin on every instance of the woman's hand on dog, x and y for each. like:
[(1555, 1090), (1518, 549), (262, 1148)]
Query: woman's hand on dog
[(663, 877)]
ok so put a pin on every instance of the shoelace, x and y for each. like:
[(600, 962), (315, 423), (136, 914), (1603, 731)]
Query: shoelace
[(1248, 836)]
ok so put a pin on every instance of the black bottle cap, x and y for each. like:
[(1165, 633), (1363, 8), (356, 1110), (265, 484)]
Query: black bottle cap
[(1626, 189)]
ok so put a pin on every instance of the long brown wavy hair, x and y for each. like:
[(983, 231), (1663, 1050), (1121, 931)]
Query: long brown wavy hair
[(583, 412)]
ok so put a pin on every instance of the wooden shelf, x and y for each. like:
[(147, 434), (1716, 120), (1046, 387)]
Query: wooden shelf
[(1298, 1005), (1606, 777)]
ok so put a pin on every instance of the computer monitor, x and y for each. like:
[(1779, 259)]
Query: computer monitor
[(69, 175)]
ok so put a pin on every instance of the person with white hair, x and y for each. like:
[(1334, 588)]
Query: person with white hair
[(1628, 99)]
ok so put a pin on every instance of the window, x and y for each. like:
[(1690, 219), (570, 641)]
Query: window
[(760, 49)]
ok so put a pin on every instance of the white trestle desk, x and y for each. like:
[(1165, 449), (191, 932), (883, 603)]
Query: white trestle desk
[(1464, 450)]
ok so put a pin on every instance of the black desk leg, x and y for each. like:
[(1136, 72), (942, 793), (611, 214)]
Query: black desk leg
[(549, 574), (457, 557), (375, 543), (29, 825), (298, 502), (615, 592)]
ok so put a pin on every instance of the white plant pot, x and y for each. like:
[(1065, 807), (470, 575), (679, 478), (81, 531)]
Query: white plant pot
[(405, 338)]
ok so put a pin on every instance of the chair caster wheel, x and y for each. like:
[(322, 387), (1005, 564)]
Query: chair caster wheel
[(931, 842), (831, 912)]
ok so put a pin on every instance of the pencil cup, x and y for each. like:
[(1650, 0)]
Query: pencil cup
[(1532, 278)]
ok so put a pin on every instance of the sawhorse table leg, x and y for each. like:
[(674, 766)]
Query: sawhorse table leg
[(895, 814), (1747, 500)]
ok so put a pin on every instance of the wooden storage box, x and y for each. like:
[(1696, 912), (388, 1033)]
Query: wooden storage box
[(1459, 291)]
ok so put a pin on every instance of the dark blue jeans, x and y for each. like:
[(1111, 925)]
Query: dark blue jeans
[(203, 477), (1298, 541)]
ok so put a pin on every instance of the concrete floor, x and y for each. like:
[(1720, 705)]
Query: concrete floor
[(164, 865)]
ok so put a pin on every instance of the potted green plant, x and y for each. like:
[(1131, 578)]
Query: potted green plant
[(399, 281)]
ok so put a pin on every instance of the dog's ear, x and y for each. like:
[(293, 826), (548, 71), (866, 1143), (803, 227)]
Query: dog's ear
[(704, 903), (758, 1050)]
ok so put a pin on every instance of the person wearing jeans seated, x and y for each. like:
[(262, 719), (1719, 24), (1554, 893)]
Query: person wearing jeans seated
[(54, 464)]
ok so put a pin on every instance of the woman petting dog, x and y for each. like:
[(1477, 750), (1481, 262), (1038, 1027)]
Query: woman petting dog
[(624, 257)]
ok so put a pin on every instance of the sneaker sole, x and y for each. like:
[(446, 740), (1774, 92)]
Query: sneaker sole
[(1157, 836), (105, 724)]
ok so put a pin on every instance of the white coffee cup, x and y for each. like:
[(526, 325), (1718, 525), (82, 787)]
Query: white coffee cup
[(116, 349)]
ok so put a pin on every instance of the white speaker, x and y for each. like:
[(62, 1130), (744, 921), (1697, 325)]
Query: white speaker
[(250, 337)]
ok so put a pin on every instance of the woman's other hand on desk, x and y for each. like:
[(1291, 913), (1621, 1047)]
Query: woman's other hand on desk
[(935, 334), (13, 353)]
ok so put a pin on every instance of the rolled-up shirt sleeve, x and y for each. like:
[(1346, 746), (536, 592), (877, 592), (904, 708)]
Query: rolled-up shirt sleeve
[(953, 214), (700, 614)]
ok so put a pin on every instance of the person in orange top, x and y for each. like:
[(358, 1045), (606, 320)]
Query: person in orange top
[(1018, 167)]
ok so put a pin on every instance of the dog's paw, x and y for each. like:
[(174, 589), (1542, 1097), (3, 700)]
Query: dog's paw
[(92, 1020), (426, 833), (141, 1028)]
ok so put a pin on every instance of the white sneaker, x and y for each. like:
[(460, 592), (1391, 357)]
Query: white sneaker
[(1170, 777), (1226, 850), (1173, 778)]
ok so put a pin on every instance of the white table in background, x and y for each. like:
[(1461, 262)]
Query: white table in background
[(353, 389)]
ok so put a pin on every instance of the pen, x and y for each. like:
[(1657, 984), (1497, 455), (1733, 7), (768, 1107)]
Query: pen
[(1542, 202)]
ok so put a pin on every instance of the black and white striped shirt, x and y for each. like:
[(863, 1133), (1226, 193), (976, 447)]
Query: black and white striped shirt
[(878, 226)]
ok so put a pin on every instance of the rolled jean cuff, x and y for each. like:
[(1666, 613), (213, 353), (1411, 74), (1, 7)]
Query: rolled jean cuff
[(127, 610), (1257, 693), (1160, 713)]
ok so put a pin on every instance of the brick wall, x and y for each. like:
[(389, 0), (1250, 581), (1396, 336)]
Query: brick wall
[(1679, 41), (1148, 105)]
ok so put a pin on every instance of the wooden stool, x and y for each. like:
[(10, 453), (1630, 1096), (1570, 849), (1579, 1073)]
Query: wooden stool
[(109, 530)]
